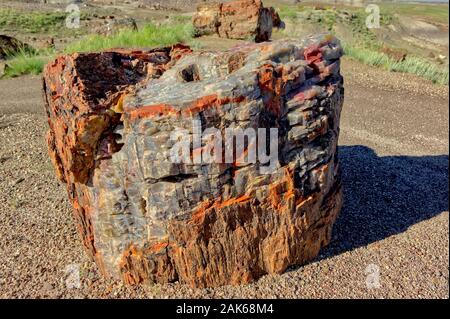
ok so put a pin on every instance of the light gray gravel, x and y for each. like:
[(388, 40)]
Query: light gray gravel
[(394, 154)]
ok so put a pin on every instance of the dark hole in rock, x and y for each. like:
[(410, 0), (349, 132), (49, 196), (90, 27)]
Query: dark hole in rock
[(190, 73), (143, 206), (177, 178)]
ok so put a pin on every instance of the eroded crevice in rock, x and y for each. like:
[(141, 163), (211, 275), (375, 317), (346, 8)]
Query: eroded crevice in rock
[(190, 73), (178, 178)]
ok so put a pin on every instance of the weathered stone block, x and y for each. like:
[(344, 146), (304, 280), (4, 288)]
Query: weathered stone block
[(144, 216), (243, 19)]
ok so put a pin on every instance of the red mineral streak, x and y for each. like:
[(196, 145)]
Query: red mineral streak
[(152, 111), (210, 101), (158, 246), (199, 214), (313, 54), (308, 94), (199, 105), (272, 86)]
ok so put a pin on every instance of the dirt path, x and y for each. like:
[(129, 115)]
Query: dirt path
[(394, 154)]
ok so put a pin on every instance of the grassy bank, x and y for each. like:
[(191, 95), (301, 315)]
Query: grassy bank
[(411, 64), (428, 11), (34, 22), (148, 36), (363, 44), (26, 63)]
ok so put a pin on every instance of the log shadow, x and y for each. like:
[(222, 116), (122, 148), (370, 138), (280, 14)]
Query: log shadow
[(384, 195)]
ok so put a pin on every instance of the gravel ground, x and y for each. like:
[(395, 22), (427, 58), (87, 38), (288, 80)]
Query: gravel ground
[(390, 241)]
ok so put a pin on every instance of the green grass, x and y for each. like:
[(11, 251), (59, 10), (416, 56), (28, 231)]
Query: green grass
[(288, 12), (364, 49), (328, 18), (180, 19), (26, 63), (434, 12), (364, 45), (148, 36), (411, 64), (32, 22)]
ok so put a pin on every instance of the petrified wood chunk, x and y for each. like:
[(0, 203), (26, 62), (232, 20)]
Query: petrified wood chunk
[(144, 216), (241, 19)]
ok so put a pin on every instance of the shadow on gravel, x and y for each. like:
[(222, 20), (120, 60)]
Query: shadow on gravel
[(383, 196)]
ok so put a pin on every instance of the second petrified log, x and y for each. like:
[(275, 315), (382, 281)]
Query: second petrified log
[(144, 216), (242, 19)]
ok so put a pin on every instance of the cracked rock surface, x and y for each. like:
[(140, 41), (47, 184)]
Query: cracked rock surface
[(144, 217)]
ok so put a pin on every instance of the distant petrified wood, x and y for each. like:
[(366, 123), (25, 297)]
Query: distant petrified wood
[(143, 216), (243, 19)]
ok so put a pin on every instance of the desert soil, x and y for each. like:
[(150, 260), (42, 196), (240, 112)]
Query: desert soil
[(390, 241)]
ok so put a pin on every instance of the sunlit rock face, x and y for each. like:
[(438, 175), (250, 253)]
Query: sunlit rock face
[(242, 19), (218, 215)]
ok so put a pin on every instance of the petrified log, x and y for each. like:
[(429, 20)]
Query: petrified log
[(243, 19), (145, 216)]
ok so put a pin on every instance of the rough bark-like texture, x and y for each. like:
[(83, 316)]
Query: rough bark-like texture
[(144, 217), (241, 19), (81, 93)]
